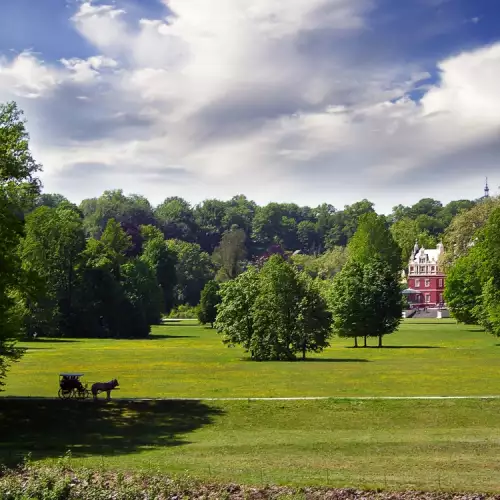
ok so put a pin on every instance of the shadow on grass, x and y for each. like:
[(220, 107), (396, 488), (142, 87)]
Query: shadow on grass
[(48, 428), (405, 347), (334, 360), (161, 337), (51, 341), (309, 360), (185, 323)]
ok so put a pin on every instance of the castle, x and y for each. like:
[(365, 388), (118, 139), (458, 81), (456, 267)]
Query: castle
[(426, 277)]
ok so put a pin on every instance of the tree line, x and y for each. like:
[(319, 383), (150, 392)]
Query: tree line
[(113, 265)]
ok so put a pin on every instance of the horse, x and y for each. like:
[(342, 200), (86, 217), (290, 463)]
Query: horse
[(104, 387)]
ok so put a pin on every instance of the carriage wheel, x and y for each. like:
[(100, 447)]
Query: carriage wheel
[(64, 394), (81, 394)]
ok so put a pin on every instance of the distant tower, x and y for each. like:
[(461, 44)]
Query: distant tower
[(486, 189)]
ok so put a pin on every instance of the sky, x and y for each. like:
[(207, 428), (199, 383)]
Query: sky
[(304, 101)]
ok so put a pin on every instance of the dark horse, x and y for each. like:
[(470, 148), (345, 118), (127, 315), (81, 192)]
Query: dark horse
[(104, 387)]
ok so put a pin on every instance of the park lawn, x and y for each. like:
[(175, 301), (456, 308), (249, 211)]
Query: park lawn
[(185, 360), (395, 444)]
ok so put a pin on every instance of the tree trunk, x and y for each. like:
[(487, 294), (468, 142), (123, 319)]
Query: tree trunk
[(380, 340), (365, 342), (304, 353), (355, 341)]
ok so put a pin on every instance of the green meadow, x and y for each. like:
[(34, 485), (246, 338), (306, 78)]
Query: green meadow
[(184, 360), (392, 444)]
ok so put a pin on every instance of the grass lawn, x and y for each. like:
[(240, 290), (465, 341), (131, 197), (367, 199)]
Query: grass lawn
[(448, 444), (451, 445), (186, 360)]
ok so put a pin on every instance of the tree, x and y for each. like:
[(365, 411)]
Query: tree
[(314, 318), (405, 232), (228, 256), (464, 228), (193, 270), (117, 241), (130, 212), (374, 241), (351, 215), (142, 300), (18, 188), (275, 313), (235, 312), (209, 217), (210, 298), (463, 288), (308, 236), (366, 301), (162, 261), (51, 251), (176, 219)]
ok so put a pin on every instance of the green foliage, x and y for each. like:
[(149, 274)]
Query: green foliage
[(324, 266), (230, 254), (162, 261), (366, 300), (116, 240), (210, 298), (142, 302), (235, 312), (18, 189), (373, 241), (405, 232), (176, 219), (464, 228), (274, 314), (184, 311), (51, 251), (463, 288), (193, 270)]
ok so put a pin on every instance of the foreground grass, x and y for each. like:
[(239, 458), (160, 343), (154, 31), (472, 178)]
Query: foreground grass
[(430, 445), (186, 360)]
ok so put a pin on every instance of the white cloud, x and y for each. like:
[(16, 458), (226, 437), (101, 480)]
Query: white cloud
[(237, 96)]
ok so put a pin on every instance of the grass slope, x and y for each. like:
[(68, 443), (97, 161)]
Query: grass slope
[(186, 360), (433, 445)]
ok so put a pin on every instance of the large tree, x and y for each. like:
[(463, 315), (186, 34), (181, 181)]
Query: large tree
[(18, 188), (366, 301), (51, 251), (464, 228), (163, 261), (373, 241), (194, 269), (275, 313), (176, 219), (230, 254), (129, 211), (463, 287)]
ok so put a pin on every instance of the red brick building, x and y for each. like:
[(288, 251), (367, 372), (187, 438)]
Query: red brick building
[(426, 276)]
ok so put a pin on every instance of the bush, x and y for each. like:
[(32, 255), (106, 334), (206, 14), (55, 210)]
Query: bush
[(184, 311)]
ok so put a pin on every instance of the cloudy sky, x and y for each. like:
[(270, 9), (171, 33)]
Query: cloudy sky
[(300, 100)]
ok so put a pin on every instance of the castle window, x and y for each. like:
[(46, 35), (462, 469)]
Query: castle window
[(417, 283), (433, 268), (427, 283), (427, 298), (440, 282)]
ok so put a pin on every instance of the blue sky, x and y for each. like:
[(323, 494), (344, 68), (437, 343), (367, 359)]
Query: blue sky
[(306, 101)]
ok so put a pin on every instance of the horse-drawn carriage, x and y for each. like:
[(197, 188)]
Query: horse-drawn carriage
[(70, 386)]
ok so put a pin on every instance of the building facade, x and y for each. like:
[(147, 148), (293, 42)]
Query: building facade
[(426, 277)]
